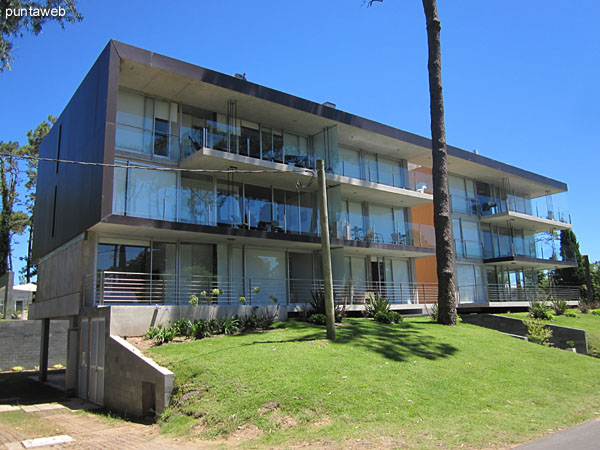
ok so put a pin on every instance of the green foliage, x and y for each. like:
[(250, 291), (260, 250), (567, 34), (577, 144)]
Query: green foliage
[(571, 313), (537, 332), (595, 312), (13, 26), (388, 317), (17, 368), (559, 305), (317, 319), (569, 250), (434, 313), (317, 305), (160, 334), (193, 300), (538, 309), (268, 316), (570, 344), (375, 304)]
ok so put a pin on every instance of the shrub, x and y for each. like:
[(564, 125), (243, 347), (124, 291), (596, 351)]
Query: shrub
[(375, 304), (383, 317), (230, 325), (570, 313), (538, 309), (251, 322), (396, 317), (199, 329), (182, 327), (559, 305), (268, 317), (18, 368), (596, 312), (317, 319), (434, 313), (537, 332), (193, 300), (570, 344), (317, 305)]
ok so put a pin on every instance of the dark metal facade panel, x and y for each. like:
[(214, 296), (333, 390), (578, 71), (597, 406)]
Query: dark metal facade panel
[(78, 188)]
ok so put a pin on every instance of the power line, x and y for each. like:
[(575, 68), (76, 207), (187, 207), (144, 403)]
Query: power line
[(295, 170)]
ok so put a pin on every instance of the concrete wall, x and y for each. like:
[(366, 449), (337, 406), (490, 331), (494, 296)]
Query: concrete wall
[(130, 379), (135, 320), (560, 335), (60, 275), (20, 343)]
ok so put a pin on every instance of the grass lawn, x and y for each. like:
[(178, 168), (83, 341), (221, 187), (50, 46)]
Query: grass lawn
[(419, 384), (588, 322)]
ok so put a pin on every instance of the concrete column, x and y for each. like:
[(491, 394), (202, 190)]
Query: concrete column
[(72, 357), (44, 342)]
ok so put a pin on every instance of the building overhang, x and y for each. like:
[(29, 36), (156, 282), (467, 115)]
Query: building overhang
[(525, 221), (523, 261)]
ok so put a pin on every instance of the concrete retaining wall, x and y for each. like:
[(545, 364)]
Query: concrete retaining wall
[(20, 343), (134, 384), (135, 320), (560, 335)]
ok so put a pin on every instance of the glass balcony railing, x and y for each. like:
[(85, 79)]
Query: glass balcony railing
[(545, 246), (401, 233), (551, 207)]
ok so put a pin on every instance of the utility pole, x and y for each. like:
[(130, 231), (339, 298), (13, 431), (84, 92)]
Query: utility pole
[(588, 279), (326, 251)]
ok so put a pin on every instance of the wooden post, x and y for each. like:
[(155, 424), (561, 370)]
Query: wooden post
[(326, 251), (588, 279)]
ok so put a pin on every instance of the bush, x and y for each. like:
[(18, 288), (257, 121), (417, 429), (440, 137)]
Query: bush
[(161, 335), (538, 309), (375, 304), (596, 312), (317, 305), (434, 313), (388, 317), (268, 317), (571, 313), (317, 319), (199, 329), (559, 305), (537, 332), (251, 322)]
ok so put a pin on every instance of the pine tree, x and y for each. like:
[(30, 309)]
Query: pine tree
[(569, 251)]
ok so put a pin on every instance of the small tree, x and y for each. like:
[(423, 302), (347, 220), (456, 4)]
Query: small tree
[(13, 25), (569, 251)]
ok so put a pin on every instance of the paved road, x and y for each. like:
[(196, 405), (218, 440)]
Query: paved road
[(581, 437)]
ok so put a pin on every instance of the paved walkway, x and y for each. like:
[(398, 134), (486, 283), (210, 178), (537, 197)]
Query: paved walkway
[(582, 437)]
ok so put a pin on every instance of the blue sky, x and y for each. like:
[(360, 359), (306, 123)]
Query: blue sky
[(519, 77)]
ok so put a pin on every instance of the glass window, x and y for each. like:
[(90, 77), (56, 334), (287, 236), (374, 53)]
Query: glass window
[(197, 264), (350, 162), (292, 212), (266, 269), (277, 146), (401, 279), (130, 109), (387, 170), (152, 194), (196, 199), (257, 203), (308, 214), (250, 139), (161, 129), (267, 143), (229, 203), (370, 163), (119, 187), (401, 226), (356, 220), (470, 235), (382, 223), (123, 258)]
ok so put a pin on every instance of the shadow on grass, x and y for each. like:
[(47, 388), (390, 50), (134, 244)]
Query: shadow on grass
[(395, 342)]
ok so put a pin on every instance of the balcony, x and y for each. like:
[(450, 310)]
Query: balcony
[(517, 295), (541, 251), (128, 288), (542, 214), (215, 148)]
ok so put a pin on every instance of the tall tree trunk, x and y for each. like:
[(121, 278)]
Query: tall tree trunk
[(4, 221), (444, 247)]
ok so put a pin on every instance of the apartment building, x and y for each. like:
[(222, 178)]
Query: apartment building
[(203, 184)]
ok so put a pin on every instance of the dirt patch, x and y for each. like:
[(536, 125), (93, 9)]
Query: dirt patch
[(283, 421), (268, 407), (140, 342), (244, 433), (322, 422)]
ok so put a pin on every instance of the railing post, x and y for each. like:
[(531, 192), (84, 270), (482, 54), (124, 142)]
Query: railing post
[(424, 296), (249, 291)]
